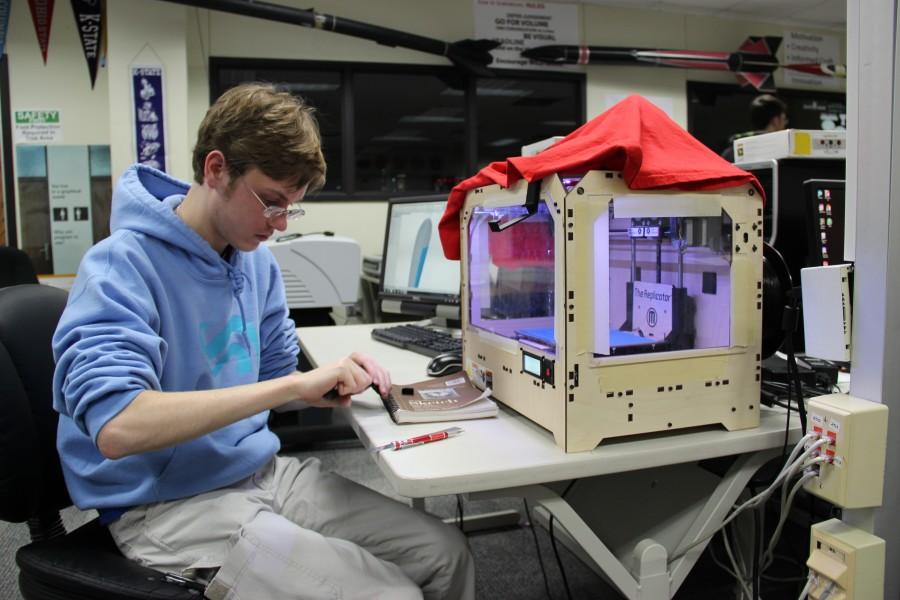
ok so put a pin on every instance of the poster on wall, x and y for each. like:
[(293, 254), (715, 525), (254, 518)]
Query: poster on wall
[(149, 122), (38, 127), (64, 195), (69, 186), (801, 47), (519, 25)]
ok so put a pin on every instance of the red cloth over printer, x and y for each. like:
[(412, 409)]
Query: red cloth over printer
[(634, 136)]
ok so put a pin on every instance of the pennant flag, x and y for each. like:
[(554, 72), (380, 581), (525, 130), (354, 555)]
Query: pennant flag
[(89, 20), (42, 15), (103, 44), (4, 23)]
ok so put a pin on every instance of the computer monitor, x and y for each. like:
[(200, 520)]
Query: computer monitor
[(825, 221), (416, 278), (785, 214)]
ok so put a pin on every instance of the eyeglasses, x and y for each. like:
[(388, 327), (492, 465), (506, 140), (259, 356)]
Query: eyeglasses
[(274, 212)]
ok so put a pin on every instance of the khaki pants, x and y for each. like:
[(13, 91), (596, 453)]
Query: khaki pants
[(292, 531)]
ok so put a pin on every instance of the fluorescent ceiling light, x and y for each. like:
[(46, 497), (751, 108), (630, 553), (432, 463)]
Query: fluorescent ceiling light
[(311, 87), (393, 137), (498, 89), (430, 119), (500, 92), (503, 142), (495, 92)]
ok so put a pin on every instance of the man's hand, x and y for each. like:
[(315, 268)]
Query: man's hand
[(379, 377), (348, 376)]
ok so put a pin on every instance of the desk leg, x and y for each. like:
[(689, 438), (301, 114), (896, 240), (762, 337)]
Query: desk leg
[(633, 554), (480, 521), (716, 509), (497, 519)]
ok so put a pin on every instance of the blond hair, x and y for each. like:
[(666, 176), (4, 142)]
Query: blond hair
[(255, 125)]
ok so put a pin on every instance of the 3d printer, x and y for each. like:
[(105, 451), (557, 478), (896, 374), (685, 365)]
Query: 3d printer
[(598, 311)]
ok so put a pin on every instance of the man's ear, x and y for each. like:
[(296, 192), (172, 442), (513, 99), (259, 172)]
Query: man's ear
[(215, 171)]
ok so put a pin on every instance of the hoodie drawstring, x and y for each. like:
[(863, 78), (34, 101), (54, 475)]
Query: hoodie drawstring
[(237, 286)]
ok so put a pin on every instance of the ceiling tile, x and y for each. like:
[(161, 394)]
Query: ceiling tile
[(834, 11)]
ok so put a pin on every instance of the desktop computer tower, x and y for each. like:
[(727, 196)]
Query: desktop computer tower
[(790, 224), (785, 214)]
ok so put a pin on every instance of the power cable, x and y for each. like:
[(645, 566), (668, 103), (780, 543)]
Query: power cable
[(537, 548), (558, 561)]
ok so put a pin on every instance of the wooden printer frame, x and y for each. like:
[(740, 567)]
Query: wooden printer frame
[(583, 396)]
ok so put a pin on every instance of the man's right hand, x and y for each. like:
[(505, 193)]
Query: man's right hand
[(346, 377)]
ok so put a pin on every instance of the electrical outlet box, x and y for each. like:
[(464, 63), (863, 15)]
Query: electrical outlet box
[(857, 432), (848, 563)]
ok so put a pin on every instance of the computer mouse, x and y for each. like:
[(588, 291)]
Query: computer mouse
[(444, 364)]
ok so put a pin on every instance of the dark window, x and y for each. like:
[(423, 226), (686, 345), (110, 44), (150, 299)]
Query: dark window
[(717, 111), (322, 89), (391, 130), (515, 112), (409, 131)]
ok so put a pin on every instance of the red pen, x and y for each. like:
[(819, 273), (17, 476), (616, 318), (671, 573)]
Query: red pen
[(420, 439)]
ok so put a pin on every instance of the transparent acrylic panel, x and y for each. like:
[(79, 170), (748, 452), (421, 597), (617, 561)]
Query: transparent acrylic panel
[(511, 274), (669, 283)]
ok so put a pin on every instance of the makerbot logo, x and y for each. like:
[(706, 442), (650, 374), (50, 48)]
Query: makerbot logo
[(651, 317)]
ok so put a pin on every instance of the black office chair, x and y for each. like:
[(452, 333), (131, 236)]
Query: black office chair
[(15, 267), (83, 564)]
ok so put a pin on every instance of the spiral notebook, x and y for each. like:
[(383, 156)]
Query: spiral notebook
[(449, 398)]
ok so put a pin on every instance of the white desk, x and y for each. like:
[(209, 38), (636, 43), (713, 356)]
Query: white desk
[(511, 456)]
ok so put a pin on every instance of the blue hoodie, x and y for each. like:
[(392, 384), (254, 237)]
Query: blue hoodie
[(154, 307)]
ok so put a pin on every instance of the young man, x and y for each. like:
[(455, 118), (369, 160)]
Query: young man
[(767, 114), (174, 346)]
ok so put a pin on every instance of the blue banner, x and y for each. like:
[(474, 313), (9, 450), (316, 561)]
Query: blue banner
[(149, 125)]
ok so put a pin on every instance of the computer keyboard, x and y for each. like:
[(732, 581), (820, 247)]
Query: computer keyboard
[(416, 338)]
